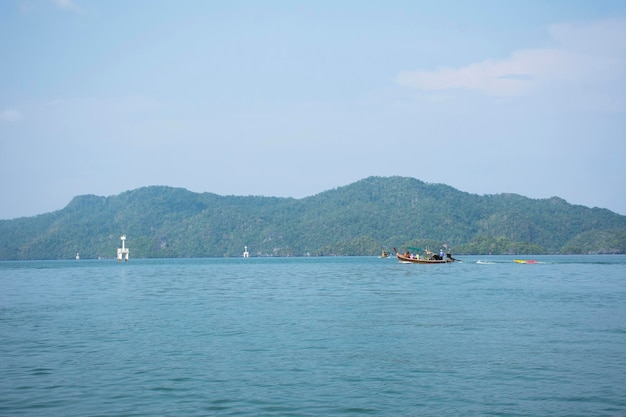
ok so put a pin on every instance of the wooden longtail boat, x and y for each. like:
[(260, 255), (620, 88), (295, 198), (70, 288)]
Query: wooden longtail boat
[(433, 259)]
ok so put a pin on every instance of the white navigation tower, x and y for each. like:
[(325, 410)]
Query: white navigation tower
[(245, 252), (122, 253)]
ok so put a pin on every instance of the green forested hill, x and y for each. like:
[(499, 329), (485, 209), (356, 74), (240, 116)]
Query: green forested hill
[(359, 219)]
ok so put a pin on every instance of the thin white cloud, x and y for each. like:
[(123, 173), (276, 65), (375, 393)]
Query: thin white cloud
[(581, 54), (66, 5), (38, 6), (10, 116)]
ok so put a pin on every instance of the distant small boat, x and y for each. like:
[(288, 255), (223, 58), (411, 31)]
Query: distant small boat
[(429, 258), (525, 261), (384, 254)]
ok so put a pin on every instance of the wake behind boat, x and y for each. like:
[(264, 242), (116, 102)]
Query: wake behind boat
[(427, 258)]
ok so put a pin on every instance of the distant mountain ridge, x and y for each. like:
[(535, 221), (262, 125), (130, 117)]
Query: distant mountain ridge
[(363, 218)]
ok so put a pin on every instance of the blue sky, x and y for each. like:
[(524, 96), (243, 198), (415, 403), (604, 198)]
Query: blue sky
[(289, 99)]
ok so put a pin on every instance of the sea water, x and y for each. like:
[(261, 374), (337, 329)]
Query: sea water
[(345, 336)]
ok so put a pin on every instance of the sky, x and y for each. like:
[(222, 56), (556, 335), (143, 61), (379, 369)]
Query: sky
[(293, 98)]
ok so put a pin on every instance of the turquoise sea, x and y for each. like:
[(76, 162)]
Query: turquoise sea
[(314, 337)]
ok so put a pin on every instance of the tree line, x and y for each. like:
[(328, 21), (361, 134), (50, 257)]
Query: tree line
[(363, 218)]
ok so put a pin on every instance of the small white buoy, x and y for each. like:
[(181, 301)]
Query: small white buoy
[(123, 251)]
